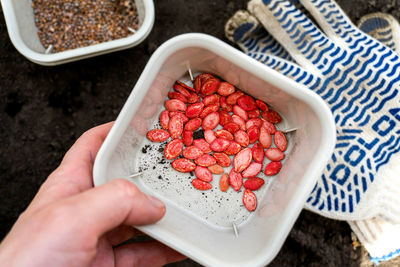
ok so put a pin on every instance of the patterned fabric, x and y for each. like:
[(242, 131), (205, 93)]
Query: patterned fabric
[(358, 77)]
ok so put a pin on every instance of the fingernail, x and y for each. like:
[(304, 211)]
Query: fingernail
[(156, 202)]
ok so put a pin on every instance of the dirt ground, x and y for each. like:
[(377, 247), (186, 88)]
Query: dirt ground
[(45, 109)]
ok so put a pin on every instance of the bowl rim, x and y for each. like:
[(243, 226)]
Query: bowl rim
[(198, 40), (77, 53)]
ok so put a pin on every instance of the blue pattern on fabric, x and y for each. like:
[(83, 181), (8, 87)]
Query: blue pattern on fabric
[(357, 82)]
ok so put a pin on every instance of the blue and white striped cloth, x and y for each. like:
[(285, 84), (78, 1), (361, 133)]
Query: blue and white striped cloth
[(359, 78)]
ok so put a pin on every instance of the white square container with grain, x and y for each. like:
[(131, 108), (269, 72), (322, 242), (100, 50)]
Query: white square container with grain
[(199, 224), (23, 34)]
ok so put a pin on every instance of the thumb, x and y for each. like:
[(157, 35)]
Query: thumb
[(105, 207)]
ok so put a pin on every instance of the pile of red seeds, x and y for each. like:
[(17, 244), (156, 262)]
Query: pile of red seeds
[(244, 121)]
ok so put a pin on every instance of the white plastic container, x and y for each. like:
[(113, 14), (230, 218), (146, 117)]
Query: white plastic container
[(23, 34), (200, 224)]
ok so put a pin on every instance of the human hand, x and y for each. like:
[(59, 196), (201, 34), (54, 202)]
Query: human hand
[(70, 223)]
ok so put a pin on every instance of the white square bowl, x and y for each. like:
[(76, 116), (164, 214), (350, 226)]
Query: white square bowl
[(199, 224), (23, 34)]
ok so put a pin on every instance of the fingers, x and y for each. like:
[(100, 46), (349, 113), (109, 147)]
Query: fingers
[(74, 174), (121, 234), (110, 205), (147, 254)]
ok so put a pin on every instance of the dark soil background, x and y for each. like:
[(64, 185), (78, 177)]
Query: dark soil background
[(45, 109)]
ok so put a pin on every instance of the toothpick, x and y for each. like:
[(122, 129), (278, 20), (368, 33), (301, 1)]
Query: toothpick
[(131, 30), (235, 230), (49, 49), (289, 130), (135, 175), (189, 70)]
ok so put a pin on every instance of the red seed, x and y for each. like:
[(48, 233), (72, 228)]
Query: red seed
[(273, 168), (274, 154), (209, 87), (224, 134), (216, 169), (179, 114), (192, 152), (175, 105), (272, 116), (265, 138), (211, 121), (193, 124), (235, 180), (194, 110), (203, 174), (209, 135), (231, 127), (187, 138), (205, 160), (203, 145), (183, 165), (225, 89), (211, 99), (224, 182), (261, 105), (222, 159), (175, 126), (254, 134), (237, 110), (269, 127), (182, 90), (253, 183), (280, 140), (253, 169), (255, 113), (246, 102), (194, 98), (249, 200), (242, 138), (224, 117), (258, 153), (201, 185), (239, 121), (173, 149), (242, 159), (187, 87), (179, 96), (158, 135), (201, 79), (232, 99), (164, 119), (226, 107), (220, 144), (254, 122), (233, 148), (209, 109)]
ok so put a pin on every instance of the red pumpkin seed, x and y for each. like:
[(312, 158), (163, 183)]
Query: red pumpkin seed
[(193, 124), (235, 180), (205, 160), (253, 170), (220, 144), (242, 159), (280, 140), (274, 154), (224, 182), (253, 183), (173, 149), (158, 135), (225, 89), (246, 102), (203, 174), (192, 152), (187, 138), (273, 168), (222, 159), (249, 200), (203, 145), (211, 121), (175, 105), (216, 169), (209, 135), (201, 185), (258, 153), (164, 119), (183, 165)]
